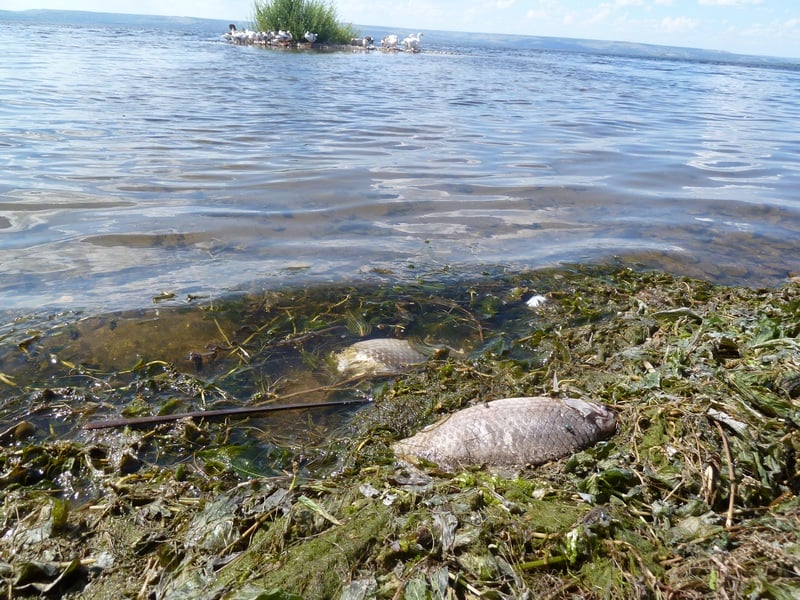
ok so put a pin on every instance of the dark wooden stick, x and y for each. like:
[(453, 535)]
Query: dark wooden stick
[(213, 414)]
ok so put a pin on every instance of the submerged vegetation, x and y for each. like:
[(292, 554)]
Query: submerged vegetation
[(299, 16), (694, 497)]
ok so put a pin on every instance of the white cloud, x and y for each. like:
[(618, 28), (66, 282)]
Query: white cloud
[(602, 13), (607, 9), (539, 15), (673, 24), (730, 2)]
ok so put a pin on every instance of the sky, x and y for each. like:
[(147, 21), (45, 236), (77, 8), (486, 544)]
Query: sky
[(762, 27)]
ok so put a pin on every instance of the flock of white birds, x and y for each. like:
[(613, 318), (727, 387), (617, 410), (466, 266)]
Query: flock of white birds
[(391, 43), (411, 43)]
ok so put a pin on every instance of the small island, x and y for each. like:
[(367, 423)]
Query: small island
[(311, 24)]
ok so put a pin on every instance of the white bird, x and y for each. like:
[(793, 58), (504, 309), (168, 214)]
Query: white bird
[(412, 42), (362, 42), (240, 37), (284, 36), (310, 37), (390, 42)]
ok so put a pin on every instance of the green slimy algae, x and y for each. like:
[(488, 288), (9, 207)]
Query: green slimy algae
[(316, 567), (695, 496)]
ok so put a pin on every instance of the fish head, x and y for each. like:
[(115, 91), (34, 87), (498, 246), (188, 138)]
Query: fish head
[(605, 420), (600, 416)]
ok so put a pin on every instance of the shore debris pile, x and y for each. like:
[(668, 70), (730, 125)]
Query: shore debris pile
[(284, 39), (694, 494)]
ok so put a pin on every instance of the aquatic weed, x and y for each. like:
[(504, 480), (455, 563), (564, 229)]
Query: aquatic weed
[(695, 496)]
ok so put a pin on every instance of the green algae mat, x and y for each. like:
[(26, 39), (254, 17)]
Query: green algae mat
[(695, 496)]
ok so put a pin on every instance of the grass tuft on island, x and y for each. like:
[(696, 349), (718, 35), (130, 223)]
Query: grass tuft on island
[(694, 497), (300, 16)]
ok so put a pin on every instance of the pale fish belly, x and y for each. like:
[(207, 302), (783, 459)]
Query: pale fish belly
[(377, 357), (512, 432)]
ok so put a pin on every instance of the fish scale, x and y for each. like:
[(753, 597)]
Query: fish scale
[(510, 432)]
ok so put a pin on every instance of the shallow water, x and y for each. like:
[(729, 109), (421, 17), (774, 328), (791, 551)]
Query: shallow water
[(138, 161)]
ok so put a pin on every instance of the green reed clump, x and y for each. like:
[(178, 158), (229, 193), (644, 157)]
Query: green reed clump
[(299, 16)]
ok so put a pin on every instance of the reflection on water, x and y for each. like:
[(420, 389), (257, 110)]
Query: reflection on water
[(176, 163)]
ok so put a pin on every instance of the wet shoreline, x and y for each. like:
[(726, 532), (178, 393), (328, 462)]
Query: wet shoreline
[(702, 380)]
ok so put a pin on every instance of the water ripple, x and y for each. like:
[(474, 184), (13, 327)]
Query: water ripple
[(178, 162)]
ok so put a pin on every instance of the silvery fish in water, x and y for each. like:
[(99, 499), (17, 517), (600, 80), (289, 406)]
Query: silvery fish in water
[(512, 432), (378, 356)]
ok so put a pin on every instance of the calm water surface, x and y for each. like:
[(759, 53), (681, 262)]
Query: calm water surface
[(140, 161)]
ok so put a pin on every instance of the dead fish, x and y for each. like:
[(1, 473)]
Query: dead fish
[(512, 432), (378, 356)]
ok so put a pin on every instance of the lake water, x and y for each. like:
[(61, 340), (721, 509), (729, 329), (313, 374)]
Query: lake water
[(144, 162), (137, 161)]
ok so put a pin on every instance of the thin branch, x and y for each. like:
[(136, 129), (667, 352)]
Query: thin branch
[(213, 414), (731, 475)]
